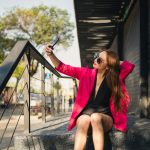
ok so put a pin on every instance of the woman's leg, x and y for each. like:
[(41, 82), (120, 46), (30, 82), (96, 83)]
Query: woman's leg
[(100, 124), (82, 124)]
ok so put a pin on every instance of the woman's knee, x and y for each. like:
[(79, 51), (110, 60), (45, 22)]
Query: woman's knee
[(83, 122), (96, 118)]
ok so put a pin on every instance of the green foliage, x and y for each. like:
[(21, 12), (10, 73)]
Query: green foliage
[(5, 45), (57, 85), (19, 70), (38, 24)]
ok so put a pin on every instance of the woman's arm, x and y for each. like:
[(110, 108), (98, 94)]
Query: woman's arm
[(52, 56), (126, 68), (74, 72)]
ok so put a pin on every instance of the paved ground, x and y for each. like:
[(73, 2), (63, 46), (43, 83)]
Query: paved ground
[(12, 124)]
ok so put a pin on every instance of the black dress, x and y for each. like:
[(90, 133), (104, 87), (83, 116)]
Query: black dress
[(101, 102)]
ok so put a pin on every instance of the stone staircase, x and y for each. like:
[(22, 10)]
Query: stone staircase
[(137, 138), (43, 135)]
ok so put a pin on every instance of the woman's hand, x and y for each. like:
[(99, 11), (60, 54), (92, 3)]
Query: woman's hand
[(49, 50)]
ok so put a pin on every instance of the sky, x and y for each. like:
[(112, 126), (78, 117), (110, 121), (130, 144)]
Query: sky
[(64, 4), (63, 55)]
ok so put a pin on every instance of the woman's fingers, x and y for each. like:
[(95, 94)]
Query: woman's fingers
[(49, 46), (48, 49)]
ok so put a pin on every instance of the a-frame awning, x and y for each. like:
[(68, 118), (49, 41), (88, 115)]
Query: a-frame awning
[(97, 22)]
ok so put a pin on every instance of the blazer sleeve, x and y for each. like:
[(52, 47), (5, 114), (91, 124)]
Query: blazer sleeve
[(125, 69), (69, 70)]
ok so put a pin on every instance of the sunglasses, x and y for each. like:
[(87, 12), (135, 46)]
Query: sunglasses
[(99, 60)]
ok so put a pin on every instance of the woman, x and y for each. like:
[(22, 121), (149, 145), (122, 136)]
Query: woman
[(102, 99)]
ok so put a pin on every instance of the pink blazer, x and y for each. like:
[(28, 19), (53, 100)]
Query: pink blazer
[(86, 77)]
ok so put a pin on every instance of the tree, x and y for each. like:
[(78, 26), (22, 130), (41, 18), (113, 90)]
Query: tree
[(57, 86), (17, 74), (38, 24), (19, 70), (5, 45)]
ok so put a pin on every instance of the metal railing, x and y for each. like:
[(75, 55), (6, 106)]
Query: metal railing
[(19, 114)]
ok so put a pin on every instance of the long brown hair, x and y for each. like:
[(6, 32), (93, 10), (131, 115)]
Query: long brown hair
[(112, 77)]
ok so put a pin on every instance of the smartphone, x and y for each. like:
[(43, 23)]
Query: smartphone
[(55, 41)]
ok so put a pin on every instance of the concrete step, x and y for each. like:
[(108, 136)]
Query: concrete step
[(138, 135), (57, 139), (36, 127), (137, 138)]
